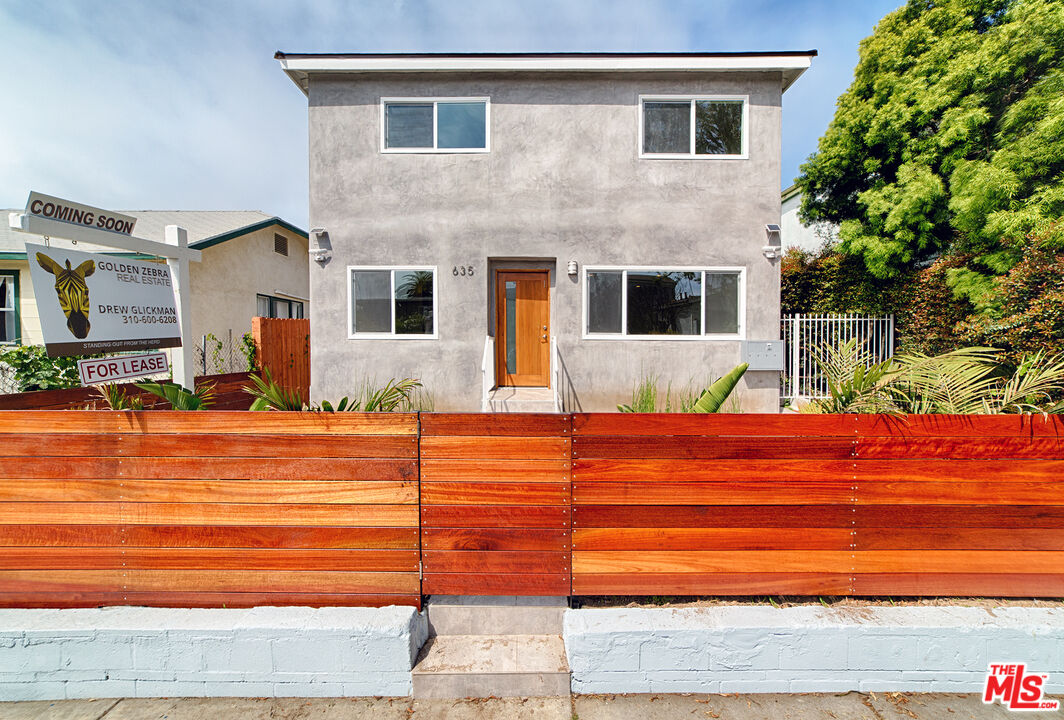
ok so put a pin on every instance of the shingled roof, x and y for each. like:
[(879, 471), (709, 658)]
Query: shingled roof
[(205, 228)]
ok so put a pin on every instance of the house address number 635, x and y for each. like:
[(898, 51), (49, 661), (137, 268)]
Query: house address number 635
[(465, 270)]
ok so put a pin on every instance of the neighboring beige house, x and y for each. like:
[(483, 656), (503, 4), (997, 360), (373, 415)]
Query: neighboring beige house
[(253, 264)]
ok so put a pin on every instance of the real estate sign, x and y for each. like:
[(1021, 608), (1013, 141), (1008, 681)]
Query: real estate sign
[(112, 369), (53, 208), (92, 303)]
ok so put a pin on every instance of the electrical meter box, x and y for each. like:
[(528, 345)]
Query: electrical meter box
[(763, 354)]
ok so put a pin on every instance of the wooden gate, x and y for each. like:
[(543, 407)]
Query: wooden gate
[(495, 497), (283, 347)]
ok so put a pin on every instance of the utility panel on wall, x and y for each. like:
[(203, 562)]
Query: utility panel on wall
[(763, 354)]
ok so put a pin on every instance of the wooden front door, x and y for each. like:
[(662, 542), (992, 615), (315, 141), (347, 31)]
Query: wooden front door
[(522, 328)]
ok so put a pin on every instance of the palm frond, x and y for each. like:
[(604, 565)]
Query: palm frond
[(856, 382), (271, 396)]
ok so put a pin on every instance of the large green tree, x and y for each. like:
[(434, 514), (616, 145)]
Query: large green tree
[(950, 140)]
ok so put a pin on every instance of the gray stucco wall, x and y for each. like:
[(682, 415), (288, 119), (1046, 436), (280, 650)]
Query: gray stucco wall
[(563, 181)]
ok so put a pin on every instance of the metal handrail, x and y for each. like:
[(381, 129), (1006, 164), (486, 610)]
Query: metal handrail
[(555, 373), (487, 372)]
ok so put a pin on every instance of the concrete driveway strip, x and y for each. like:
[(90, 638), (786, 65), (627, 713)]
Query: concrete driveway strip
[(726, 707), (261, 709), (292, 709), (56, 709), (931, 706), (847, 706)]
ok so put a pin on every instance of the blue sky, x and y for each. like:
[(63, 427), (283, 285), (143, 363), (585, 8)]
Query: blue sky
[(180, 105)]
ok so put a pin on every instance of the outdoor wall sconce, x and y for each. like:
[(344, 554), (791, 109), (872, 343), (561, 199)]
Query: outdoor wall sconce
[(323, 252), (571, 268), (774, 249)]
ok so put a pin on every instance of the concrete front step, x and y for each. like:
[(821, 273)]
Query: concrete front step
[(523, 399), (457, 666), (473, 615)]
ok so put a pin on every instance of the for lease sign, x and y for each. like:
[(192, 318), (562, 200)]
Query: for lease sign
[(91, 303), (112, 369)]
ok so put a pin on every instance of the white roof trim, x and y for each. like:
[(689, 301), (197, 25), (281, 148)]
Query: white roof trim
[(565, 64), (298, 68)]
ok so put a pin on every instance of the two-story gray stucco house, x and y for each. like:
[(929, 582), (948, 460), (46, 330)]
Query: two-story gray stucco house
[(516, 228)]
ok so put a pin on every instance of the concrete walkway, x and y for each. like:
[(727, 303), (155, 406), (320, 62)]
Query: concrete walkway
[(849, 706)]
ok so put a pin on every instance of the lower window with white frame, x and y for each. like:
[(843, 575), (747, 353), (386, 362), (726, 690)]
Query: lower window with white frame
[(395, 302), (638, 302)]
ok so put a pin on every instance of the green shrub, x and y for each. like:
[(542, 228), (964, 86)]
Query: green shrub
[(644, 397), (830, 282), (247, 347), (1030, 318), (34, 370), (928, 313)]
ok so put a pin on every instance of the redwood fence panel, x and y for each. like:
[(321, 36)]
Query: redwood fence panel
[(190, 509), (228, 390), (282, 346), (495, 504), (959, 505), (712, 504)]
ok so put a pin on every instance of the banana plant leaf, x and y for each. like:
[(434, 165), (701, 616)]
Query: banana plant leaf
[(713, 397)]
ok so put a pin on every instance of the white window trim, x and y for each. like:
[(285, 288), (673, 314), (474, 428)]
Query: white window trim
[(744, 155), (385, 101), (14, 275), (351, 335), (585, 335)]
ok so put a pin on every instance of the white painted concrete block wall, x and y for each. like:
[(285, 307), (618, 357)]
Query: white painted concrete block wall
[(807, 649), (155, 652)]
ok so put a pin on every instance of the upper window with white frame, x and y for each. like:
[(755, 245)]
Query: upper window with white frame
[(664, 303), (434, 125), (9, 319), (693, 127), (395, 302)]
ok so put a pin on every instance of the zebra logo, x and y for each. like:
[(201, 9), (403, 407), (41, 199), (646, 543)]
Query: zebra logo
[(72, 291)]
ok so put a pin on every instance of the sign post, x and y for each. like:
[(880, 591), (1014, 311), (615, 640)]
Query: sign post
[(182, 362), (57, 218)]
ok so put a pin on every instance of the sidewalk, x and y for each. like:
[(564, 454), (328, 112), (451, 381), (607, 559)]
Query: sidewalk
[(849, 706)]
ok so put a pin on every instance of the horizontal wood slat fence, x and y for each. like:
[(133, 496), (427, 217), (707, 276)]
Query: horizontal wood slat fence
[(818, 505), (712, 505), (240, 509), (208, 509)]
